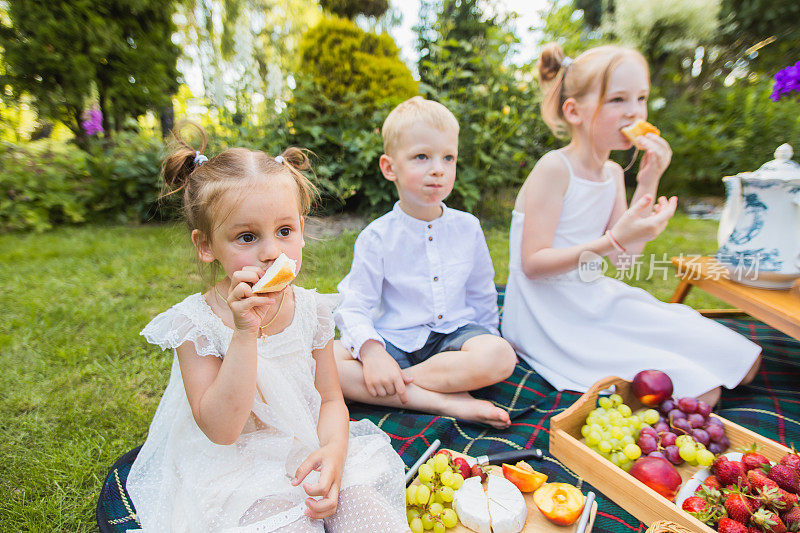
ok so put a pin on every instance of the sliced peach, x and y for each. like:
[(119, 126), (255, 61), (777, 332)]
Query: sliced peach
[(561, 503), (524, 476)]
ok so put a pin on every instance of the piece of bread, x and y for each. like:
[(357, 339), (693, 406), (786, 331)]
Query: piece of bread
[(640, 127), (278, 275)]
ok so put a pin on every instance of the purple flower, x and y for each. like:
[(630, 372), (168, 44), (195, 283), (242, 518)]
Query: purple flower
[(93, 121), (787, 80)]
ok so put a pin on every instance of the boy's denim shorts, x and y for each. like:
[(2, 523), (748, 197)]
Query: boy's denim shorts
[(436, 343)]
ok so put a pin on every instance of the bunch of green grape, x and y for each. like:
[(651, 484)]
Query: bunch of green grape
[(428, 505), (612, 429), (693, 452)]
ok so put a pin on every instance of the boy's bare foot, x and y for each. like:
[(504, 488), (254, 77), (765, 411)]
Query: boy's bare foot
[(463, 405), (456, 404)]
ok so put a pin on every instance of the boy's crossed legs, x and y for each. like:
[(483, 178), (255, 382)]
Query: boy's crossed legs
[(464, 360)]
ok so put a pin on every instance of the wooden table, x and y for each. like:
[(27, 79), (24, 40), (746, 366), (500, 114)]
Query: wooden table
[(779, 309)]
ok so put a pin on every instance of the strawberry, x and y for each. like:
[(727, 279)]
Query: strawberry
[(752, 459), (711, 482), (462, 467), (477, 470), (445, 452), (738, 507), (792, 460), (768, 521), (786, 477), (775, 498), (730, 473), (694, 504), (709, 494), (791, 519), (759, 480), (726, 525), (709, 515)]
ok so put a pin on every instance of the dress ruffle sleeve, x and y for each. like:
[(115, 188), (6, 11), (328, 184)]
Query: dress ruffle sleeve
[(325, 324), (179, 324)]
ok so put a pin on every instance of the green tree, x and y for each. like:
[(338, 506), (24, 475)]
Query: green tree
[(350, 9), (665, 32), (464, 65), (62, 53), (342, 59), (693, 52)]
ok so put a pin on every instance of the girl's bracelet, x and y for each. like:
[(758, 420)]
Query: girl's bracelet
[(614, 242)]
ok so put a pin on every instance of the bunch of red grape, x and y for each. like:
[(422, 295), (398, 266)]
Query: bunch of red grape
[(684, 432)]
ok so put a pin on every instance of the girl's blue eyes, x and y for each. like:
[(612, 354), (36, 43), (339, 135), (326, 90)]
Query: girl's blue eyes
[(422, 157)]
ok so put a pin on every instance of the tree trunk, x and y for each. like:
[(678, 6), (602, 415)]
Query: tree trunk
[(101, 97), (167, 118), (81, 139)]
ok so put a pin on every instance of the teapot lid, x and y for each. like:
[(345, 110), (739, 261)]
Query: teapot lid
[(782, 167)]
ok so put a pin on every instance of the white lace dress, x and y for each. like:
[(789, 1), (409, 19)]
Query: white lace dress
[(182, 482)]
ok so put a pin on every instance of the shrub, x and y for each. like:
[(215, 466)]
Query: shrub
[(46, 183), (737, 130), (125, 180), (502, 135), (42, 184), (346, 141), (344, 60)]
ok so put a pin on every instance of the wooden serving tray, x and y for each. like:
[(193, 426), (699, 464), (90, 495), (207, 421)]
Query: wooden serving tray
[(536, 521), (566, 444)]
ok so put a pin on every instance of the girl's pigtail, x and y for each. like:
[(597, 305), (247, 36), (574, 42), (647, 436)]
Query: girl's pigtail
[(297, 162), (550, 71), (549, 63), (297, 158), (182, 160)]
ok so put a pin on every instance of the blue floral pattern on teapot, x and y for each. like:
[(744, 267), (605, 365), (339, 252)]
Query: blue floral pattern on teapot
[(759, 233)]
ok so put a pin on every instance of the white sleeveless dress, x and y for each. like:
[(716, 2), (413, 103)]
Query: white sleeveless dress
[(182, 482), (574, 332)]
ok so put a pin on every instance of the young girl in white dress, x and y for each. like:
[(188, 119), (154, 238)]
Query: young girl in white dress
[(252, 432), (572, 209)]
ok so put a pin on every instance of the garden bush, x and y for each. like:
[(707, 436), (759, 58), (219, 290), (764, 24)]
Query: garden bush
[(723, 132), (502, 134), (342, 60), (46, 183), (345, 139), (42, 184), (125, 180)]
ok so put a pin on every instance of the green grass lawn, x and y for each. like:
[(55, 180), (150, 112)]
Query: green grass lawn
[(79, 385)]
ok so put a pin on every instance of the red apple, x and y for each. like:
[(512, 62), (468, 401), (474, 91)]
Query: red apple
[(652, 387), (658, 474)]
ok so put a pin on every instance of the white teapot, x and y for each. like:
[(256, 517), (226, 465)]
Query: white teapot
[(759, 232)]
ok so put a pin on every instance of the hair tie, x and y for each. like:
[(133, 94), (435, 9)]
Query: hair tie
[(199, 159), (280, 159), (567, 61)]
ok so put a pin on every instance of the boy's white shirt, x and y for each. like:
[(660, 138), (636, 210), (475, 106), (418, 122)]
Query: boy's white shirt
[(407, 273)]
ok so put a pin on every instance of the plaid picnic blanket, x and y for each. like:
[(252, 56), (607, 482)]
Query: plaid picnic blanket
[(769, 406)]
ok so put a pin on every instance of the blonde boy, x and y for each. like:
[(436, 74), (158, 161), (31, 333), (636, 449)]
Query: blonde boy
[(419, 310)]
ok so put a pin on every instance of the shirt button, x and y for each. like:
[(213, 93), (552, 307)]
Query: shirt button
[(439, 317), (430, 226), (435, 278), (430, 238)]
